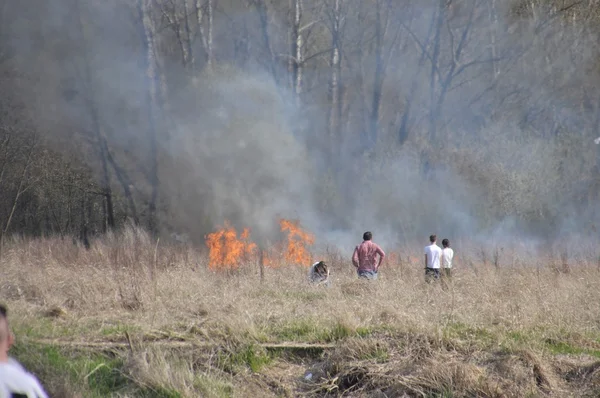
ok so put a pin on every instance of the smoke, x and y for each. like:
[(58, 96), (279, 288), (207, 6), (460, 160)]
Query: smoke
[(503, 163)]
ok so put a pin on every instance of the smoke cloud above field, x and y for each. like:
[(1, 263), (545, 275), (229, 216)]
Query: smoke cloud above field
[(505, 161)]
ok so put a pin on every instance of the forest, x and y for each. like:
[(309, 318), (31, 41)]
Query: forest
[(465, 116)]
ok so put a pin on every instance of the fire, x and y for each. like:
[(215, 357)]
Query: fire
[(226, 251), (297, 242)]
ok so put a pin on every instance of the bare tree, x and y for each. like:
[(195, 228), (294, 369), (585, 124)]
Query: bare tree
[(295, 40), (335, 107), (22, 185), (92, 107), (263, 16), (152, 107)]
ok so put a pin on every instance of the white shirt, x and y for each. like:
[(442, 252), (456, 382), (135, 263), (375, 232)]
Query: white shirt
[(447, 255), (14, 379), (434, 253)]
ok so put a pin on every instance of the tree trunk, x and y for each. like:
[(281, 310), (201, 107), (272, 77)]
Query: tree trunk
[(83, 236), (188, 35), (380, 32), (125, 182), (433, 77), (20, 189), (209, 40), (206, 38), (152, 109), (452, 72), (263, 15), (109, 221), (335, 108), (295, 39), (6, 146), (405, 119), (493, 18)]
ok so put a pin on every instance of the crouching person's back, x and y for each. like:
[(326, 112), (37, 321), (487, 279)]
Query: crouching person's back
[(319, 274)]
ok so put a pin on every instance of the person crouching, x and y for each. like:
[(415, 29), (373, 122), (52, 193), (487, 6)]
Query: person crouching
[(319, 274)]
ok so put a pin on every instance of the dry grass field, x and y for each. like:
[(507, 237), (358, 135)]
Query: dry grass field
[(133, 318)]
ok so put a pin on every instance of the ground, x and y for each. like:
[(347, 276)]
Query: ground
[(125, 319)]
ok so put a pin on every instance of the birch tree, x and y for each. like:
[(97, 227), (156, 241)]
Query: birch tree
[(334, 91)]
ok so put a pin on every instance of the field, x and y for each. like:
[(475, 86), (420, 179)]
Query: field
[(133, 318)]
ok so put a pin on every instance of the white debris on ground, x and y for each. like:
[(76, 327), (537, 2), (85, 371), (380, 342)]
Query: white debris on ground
[(597, 141)]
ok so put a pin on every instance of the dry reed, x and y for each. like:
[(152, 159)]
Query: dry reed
[(128, 280)]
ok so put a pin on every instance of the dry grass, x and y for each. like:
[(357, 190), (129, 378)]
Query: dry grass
[(502, 327)]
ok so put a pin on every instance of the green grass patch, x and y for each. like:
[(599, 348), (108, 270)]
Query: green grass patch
[(250, 356), (309, 331), (67, 372), (519, 337), (118, 329), (211, 387), (96, 376), (364, 331), (458, 330), (557, 347), (378, 354)]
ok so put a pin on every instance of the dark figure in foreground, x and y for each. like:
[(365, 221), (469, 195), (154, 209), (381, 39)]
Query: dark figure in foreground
[(15, 381), (433, 254), (319, 273), (365, 257)]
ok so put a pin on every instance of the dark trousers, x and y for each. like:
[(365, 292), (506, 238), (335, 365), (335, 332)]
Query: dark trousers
[(431, 273)]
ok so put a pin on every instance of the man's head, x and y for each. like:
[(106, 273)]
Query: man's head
[(446, 243), (6, 337), (367, 235), (432, 238)]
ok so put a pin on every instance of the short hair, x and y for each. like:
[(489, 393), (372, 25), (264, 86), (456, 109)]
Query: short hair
[(367, 235), (432, 238), (446, 243), (3, 311)]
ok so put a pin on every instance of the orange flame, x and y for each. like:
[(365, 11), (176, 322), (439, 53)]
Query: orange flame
[(297, 241), (226, 251)]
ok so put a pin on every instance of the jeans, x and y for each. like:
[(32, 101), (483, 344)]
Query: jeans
[(431, 273), (371, 275)]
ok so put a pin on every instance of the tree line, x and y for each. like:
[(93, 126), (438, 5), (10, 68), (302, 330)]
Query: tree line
[(96, 98)]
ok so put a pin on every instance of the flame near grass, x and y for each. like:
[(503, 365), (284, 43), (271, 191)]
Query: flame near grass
[(227, 251)]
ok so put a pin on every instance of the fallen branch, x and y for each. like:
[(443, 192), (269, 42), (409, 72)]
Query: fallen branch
[(106, 345)]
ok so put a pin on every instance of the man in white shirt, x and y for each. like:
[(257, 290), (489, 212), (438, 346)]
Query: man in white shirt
[(433, 254), (447, 256), (15, 381)]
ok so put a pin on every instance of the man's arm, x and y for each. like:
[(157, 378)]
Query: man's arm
[(355, 257), (425, 260)]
